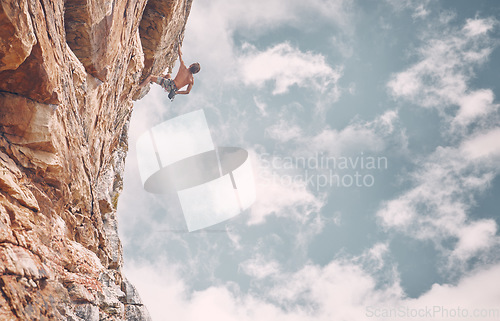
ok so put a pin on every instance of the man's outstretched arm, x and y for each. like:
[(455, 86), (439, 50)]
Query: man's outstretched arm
[(185, 92), (179, 52)]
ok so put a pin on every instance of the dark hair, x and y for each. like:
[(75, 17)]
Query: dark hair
[(194, 68)]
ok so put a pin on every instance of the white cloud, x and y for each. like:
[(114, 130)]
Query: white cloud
[(399, 212), (382, 133), (475, 27), (283, 188), (286, 66), (349, 139), (439, 205), (259, 267), (336, 291), (261, 106), (446, 183), (420, 11), (374, 258), (476, 104), (235, 239), (483, 145), (440, 79), (419, 8), (284, 132), (210, 34), (343, 45), (476, 295), (260, 15), (279, 193), (374, 136), (475, 237)]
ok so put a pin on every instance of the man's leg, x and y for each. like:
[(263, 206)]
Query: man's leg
[(145, 81), (150, 78)]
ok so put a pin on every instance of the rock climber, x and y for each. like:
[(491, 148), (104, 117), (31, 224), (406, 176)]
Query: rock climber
[(184, 77)]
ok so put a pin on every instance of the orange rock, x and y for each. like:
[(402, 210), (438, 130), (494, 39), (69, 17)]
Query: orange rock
[(16, 34), (161, 28), (69, 70)]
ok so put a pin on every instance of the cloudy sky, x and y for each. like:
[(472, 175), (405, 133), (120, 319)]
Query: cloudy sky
[(373, 129)]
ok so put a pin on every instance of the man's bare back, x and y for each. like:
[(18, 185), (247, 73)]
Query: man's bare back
[(183, 78)]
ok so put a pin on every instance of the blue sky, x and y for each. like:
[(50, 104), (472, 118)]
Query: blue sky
[(411, 83)]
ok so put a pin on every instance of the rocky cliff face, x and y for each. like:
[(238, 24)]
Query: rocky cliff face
[(69, 70)]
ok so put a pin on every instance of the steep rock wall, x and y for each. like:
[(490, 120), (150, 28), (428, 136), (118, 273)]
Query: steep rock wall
[(69, 70)]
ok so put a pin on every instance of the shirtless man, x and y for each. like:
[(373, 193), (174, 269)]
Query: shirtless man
[(184, 77)]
